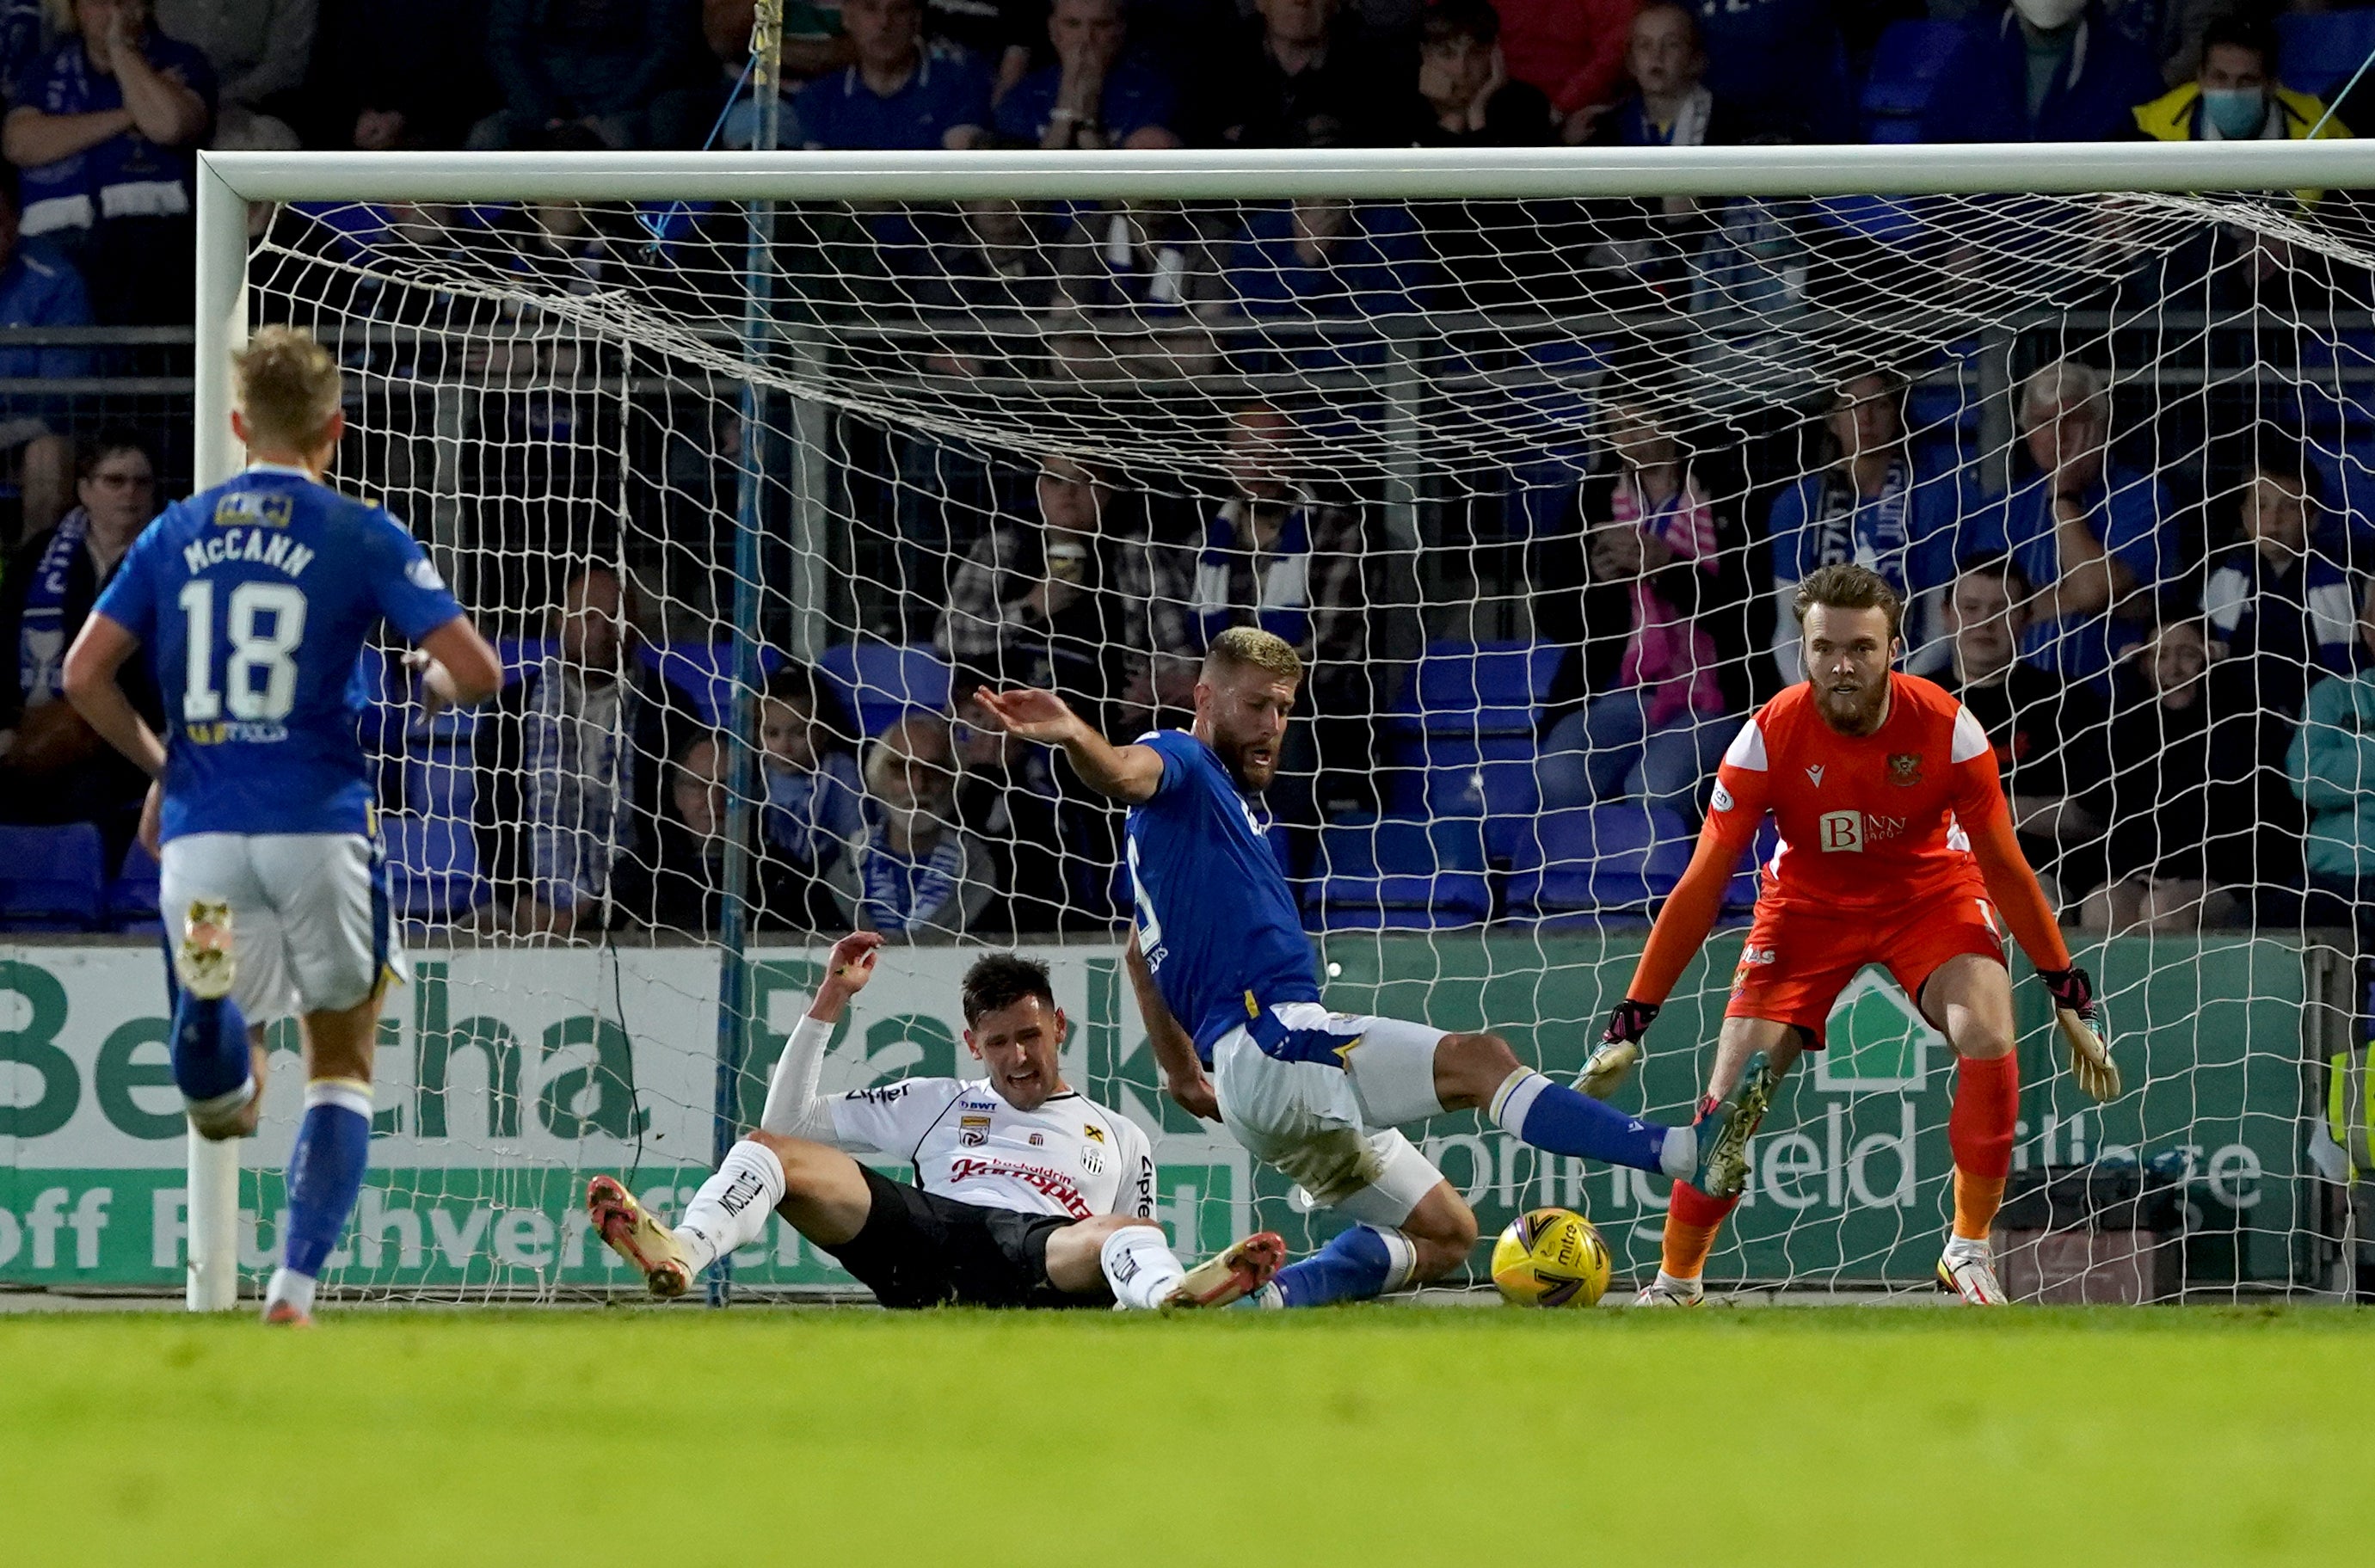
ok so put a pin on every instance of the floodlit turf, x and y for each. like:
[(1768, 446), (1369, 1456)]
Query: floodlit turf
[(1365, 1436)]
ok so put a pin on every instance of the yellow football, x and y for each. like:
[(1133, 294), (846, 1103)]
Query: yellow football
[(1551, 1258)]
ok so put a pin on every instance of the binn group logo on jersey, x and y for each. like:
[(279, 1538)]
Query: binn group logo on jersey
[(1840, 833)]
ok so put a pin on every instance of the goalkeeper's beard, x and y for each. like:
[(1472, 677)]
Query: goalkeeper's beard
[(1851, 713)]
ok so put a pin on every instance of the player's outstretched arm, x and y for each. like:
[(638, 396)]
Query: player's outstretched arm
[(1735, 807), (792, 1109), (1184, 1077), (1129, 773), (97, 652), (456, 666)]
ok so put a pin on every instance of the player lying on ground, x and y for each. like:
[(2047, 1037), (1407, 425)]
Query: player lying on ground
[(1226, 980), (1896, 849), (254, 600), (1026, 1194)]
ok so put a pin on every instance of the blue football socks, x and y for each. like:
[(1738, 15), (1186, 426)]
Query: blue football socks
[(209, 1047), (326, 1172), (1361, 1262), (1564, 1121)]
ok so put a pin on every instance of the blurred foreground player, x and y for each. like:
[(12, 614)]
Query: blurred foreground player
[(254, 600), (1226, 984), (1026, 1194), (1896, 849)]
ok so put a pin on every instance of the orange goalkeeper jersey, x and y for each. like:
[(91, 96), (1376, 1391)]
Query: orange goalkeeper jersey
[(1870, 825)]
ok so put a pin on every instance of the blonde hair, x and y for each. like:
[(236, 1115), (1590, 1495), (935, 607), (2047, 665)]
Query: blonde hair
[(287, 386), (1248, 647)]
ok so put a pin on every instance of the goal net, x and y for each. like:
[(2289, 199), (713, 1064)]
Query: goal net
[(1527, 481)]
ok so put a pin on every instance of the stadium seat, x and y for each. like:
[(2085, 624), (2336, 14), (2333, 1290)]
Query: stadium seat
[(881, 680), (1477, 689), (704, 672), (1501, 792), (439, 780), (433, 867), (1906, 65), (1611, 859), (132, 897), (53, 879), (1394, 873), (2319, 50)]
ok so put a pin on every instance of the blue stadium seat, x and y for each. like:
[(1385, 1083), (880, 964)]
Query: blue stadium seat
[(1474, 689), (1906, 65), (439, 782), (53, 879), (2317, 52), (132, 897), (1501, 792), (1400, 874), (881, 680), (1609, 859), (432, 866), (704, 672)]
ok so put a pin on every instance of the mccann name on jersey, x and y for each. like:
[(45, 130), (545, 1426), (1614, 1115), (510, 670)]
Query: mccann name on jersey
[(252, 602)]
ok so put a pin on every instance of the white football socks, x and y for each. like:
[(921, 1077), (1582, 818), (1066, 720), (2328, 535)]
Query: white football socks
[(1969, 1249), (1141, 1266), (297, 1289), (1679, 1155), (730, 1211), (1688, 1290)]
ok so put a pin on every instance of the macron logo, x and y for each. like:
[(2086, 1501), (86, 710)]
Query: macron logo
[(1815, 773)]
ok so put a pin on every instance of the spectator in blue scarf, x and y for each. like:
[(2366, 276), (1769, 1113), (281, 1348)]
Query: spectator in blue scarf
[(54, 767), (105, 128)]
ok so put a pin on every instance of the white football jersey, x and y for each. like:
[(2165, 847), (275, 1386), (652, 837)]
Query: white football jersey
[(1072, 1156)]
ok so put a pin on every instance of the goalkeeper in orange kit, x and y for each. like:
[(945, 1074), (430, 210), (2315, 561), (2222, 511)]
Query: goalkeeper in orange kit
[(1896, 849)]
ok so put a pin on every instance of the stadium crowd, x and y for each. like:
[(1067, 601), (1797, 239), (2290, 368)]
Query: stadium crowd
[(2175, 683)]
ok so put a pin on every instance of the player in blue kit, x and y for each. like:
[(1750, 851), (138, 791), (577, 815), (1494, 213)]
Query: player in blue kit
[(1225, 981), (254, 600)]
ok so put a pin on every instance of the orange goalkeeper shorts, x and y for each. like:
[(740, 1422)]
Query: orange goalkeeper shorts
[(1795, 963)]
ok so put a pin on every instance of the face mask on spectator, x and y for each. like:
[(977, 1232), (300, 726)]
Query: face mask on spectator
[(2048, 15), (2238, 112)]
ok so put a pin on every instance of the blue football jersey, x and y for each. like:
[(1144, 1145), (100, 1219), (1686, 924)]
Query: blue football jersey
[(1215, 919), (254, 601)]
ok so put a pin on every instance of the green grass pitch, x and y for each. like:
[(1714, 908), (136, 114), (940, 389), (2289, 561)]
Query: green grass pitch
[(1367, 1436)]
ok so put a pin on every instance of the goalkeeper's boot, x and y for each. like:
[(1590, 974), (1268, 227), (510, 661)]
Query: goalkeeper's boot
[(1230, 1276), (1970, 1273), (1609, 1068), (1665, 1291), (634, 1235), (1726, 1124), (203, 962)]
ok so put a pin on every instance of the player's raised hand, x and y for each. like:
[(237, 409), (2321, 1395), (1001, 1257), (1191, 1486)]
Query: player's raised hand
[(851, 964), (1032, 714)]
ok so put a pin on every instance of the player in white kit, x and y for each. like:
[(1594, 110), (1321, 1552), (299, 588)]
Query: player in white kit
[(1027, 1192)]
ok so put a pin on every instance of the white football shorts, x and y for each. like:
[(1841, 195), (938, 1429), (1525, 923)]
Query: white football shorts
[(1335, 1130), (310, 929)]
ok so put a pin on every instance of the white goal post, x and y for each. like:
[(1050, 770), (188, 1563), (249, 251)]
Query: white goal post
[(232, 186)]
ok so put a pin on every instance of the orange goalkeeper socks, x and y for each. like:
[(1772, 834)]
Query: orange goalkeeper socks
[(1976, 1198), (1691, 1220), (1979, 1129)]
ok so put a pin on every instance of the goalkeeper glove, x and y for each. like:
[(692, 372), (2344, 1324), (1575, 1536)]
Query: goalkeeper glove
[(2073, 1011), (1629, 1023)]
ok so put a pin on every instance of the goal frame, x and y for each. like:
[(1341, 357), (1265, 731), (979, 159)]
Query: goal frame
[(230, 183)]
